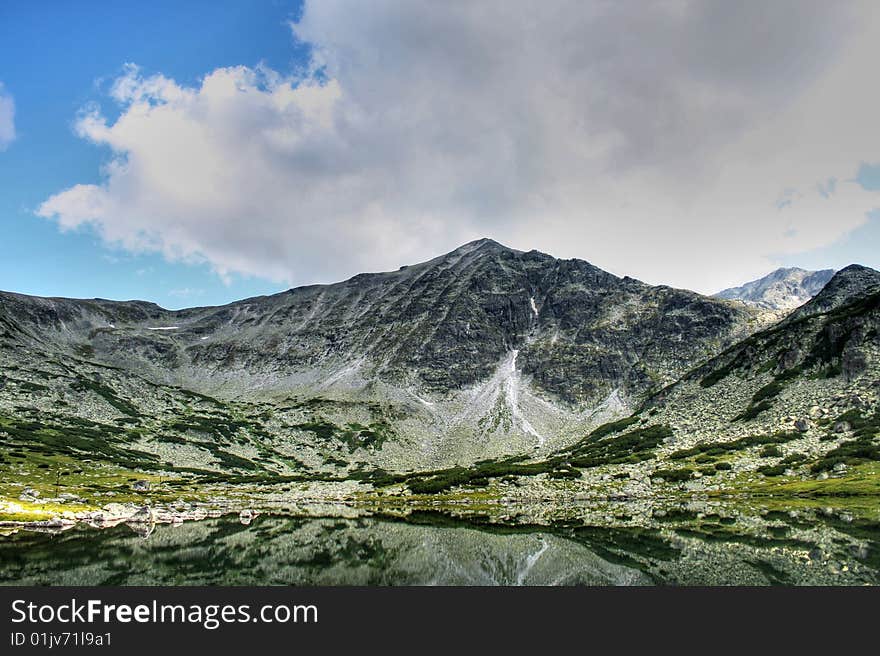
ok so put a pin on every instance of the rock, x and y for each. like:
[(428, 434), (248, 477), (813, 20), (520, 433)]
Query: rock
[(860, 551), (115, 512), (60, 522), (31, 492), (822, 477), (802, 425), (143, 515), (789, 359), (840, 467), (141, 486), (841, 426)]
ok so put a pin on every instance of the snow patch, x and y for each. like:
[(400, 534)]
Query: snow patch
[(531, 560), (347, 372), (534, 307), (424, 402), (165, 328), (511, 396)]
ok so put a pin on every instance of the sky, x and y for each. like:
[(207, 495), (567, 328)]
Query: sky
[(202, 152)]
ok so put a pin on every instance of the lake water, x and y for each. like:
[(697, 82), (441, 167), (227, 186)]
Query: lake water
[(687, 546)]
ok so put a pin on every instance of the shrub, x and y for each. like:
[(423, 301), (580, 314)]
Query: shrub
[(673, 475)]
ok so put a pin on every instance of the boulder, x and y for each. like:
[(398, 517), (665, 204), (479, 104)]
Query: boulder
[(28, 491), (144, 515), (115, 512)]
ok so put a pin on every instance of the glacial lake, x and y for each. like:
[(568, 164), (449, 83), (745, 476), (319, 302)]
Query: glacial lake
[(689, 545)]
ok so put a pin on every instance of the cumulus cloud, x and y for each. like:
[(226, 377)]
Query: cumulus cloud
[(689, 143), (7, 118)]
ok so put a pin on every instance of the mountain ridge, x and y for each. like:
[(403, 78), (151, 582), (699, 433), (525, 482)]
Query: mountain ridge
[(783, 289), (482, 352), (529, 349)]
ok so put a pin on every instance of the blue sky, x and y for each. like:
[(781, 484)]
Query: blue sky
[(389, 133), (861, 246), (55, 57)]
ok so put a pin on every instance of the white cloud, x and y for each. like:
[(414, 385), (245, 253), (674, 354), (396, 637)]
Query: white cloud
[(681, 142), (7, 118), (186, 292)]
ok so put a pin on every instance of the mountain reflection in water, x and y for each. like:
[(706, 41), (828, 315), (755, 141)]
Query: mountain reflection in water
[(826, 548)]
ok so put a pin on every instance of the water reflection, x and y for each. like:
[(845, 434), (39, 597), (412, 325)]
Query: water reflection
[(681, 547)]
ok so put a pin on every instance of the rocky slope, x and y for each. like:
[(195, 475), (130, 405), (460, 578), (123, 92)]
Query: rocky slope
[(780, 290), (800, 401), (482, 352), (793, 409)]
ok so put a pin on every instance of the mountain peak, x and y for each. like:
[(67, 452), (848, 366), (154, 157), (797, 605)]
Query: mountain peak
[(846, 285), (484, 244), (782, 289)]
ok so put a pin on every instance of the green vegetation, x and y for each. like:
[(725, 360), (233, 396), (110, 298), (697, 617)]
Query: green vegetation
[(763, 399), (858, 481), (354, 436), (631, 447), (767, 392), (84, 384), (721, 448), (78, 438), (613, 427), (674, 475), (772, 470), (595, 450), (830, 332), (863, 448), (722, 372), (753, 411)]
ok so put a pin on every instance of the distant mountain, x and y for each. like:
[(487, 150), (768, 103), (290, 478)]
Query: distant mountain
[(783, 289), (483, 351)]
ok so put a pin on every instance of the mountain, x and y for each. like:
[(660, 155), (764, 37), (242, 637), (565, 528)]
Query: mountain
[(536, 377), (850, 284), (783, 289), (793, 409), (482, 352), (811, 382)]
